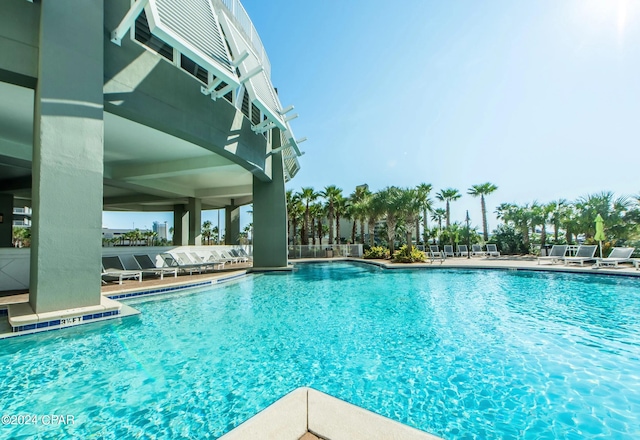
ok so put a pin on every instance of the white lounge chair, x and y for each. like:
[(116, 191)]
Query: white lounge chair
[(463, 250), (113, 269), (448, 251), (618, 255), (241, 258), (146, 264), (476, 249), (181, 262), (492, 250), (215, 256), (244, 253), (557, 254), (227, 255), (584, 253), (215, 265)]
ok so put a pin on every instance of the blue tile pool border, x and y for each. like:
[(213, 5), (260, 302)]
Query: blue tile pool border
[(160, 290), (55, 324)]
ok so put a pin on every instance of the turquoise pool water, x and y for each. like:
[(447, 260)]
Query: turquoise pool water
[(459, 353)]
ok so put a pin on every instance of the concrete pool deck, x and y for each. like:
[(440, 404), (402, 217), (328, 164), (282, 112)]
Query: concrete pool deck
[(526, 262)]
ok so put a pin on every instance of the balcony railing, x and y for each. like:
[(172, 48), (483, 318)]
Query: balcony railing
[(248, 29)]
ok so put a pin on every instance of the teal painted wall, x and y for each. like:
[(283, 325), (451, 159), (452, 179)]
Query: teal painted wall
[(19, 31)]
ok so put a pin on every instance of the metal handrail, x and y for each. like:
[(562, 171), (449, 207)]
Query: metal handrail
[(248, 29)]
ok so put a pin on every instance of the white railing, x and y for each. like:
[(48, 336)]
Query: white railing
[(325, 251), (248, 29)]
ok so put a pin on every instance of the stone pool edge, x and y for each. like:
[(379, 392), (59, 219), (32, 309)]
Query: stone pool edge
[(308, 410)]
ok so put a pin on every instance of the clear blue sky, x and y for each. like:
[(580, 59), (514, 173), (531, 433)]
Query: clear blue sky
[(541, 98)]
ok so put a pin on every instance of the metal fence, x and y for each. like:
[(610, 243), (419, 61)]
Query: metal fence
[(325, 251)]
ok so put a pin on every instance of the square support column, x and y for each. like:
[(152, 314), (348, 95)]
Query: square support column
[(68, 157), (180, 225), (195, 221), (232, 224), (270, 218)]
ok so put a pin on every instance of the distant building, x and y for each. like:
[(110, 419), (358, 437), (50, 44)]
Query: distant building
[(161, 230), (22, 217)]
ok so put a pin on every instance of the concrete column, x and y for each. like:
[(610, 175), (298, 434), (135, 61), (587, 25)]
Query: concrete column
[(270, 218), (68, 157), (231, 224), (195, 221), (6, 219), (180, 225)]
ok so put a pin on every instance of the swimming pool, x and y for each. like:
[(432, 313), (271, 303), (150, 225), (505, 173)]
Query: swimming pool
[(458, 353)]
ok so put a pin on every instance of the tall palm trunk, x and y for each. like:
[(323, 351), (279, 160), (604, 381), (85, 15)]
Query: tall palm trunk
[(425, 225), (362, 230), (485, 231), (417, 230), (448, 219), (337, 228), (331, 218), (320, 231), (313, 227), (305, 238), (372, 232), (353, 231), (391, 234)]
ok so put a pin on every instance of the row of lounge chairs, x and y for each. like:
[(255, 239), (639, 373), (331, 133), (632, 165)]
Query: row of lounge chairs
[(476, 250), (586, 253), (115, 269)]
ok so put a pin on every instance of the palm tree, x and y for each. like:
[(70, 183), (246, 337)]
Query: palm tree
[(437, 215), (410, 204), (331, 194), (206, 230), (482, 190), (373, 210), (424, 189), (215, 232), (342, 209), (539, 216), (612, 209), (518, 216), (389, 202), (295, 213), (315, 211), (307, 195), (358, 201), (448, 195), (556, 210)]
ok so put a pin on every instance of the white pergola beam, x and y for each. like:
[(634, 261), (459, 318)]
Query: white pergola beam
[(128, 21), (251, 74)]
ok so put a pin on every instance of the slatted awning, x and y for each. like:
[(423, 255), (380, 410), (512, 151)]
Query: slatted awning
[(191, 26), (259, 87)]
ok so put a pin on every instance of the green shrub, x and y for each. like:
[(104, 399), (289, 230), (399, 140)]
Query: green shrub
[(377, 252), (403, 255)]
